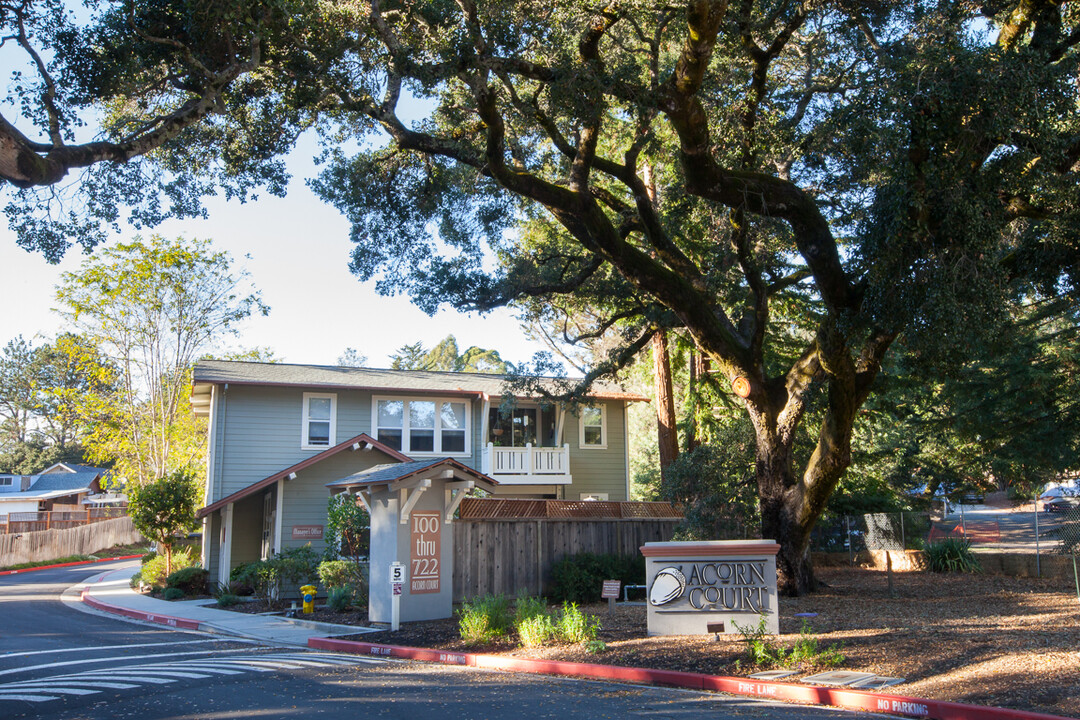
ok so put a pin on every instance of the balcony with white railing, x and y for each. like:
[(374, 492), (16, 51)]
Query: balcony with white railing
[(527, 465)]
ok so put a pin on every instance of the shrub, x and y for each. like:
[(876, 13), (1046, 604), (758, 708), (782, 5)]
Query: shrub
[(172, 594), (189, 580), (762, 651), (536, 630), (338, 599), (484, 619), (807, 651), (580, 578), (575, 626), (153, 572), (148, 557), (528, 607), (227, 599), (345, 574), (295, 566), (243, 579), (269, 579), (952, 555)]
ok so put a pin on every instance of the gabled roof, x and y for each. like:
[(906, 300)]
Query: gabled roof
[(361, 440), (72, 482), (62, 467), (330, 377), (52, 485), (398, 472)]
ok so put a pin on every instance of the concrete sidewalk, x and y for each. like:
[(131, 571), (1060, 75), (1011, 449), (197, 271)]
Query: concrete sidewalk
[(111, 592)]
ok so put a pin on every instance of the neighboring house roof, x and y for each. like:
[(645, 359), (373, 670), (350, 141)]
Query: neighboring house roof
[(398, 472), (56, 484), (73, 468), (361, 440), (71, 482), (220, 372)]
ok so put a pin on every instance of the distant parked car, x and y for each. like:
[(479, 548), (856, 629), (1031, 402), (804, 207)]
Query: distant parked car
[(1060, 504)]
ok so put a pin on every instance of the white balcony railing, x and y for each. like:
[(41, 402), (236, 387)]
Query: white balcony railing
[(528, 465)]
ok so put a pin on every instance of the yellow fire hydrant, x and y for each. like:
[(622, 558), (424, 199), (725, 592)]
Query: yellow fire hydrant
[(308, 591)]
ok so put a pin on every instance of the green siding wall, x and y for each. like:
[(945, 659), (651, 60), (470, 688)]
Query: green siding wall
[(258, 433)]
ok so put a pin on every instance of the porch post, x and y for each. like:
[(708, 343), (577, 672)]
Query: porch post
[(225, 544), (278, 513)]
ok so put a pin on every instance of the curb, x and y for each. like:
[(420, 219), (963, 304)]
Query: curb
[(189, 624), (806, 694), (70, 564), (181, 623)]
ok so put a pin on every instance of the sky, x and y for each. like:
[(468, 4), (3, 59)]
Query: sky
[(299, 253)]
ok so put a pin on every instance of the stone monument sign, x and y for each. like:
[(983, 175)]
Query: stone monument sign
[(698, 588)]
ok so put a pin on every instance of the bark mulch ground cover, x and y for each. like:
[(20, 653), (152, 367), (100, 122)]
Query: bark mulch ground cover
[(982, 639)]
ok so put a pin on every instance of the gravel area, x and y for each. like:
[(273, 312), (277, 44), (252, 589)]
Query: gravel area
[(983, 639)]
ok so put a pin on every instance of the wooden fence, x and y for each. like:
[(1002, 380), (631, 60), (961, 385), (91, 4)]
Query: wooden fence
[(23, 522), (51, 544), (511, 555)]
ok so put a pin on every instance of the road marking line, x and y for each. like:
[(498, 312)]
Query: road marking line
[(52, 681), (142, 678), (213, 669), (62, 691), (86, 661), (115, 647), (29, 698)]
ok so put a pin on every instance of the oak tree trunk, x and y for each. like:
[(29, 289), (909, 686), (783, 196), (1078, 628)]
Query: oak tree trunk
[(666, 432)]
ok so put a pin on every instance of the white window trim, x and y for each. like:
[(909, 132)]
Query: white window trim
[(603, 429), (304, 444), (467, 452)]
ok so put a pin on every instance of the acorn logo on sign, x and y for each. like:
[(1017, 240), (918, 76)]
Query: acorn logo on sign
[(668, 585)]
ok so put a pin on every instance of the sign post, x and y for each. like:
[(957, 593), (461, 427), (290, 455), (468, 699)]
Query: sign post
[(610, 592), (397, 581)]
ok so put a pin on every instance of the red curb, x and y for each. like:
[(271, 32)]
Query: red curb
[(806, 694), (70, 564), (182, 623)]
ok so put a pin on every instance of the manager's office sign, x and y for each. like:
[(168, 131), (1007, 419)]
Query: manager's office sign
[(709, 587)]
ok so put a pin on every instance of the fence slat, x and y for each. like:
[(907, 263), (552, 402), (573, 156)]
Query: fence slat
[(508, 555)]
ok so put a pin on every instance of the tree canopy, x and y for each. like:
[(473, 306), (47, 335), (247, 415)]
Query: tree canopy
[(153, 307), (164, 508), (794, 185), (445, 357)]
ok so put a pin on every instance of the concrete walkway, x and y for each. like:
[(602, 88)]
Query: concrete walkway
[(110, 592)]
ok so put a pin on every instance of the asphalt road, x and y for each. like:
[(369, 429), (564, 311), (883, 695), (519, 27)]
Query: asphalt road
[(59, 662)]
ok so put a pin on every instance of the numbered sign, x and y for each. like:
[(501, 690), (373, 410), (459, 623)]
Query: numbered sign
[(397, 573), (426, 552)]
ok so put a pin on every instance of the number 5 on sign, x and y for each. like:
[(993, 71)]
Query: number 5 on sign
[(397, 573)]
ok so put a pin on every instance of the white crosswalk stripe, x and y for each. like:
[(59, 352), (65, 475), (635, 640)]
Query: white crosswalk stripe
[(132, 676)]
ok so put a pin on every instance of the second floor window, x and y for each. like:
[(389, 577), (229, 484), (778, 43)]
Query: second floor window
[(593, 428), (423, 426), (319, 420)]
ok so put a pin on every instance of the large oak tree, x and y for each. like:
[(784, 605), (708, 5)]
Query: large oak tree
[(793, 184)]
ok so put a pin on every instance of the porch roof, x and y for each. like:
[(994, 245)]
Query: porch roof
[(361, 440), (397, 473)]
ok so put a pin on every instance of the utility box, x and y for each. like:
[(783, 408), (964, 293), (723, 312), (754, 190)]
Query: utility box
[(412, 507)]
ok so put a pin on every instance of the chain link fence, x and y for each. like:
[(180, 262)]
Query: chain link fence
[(1020, 530)]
